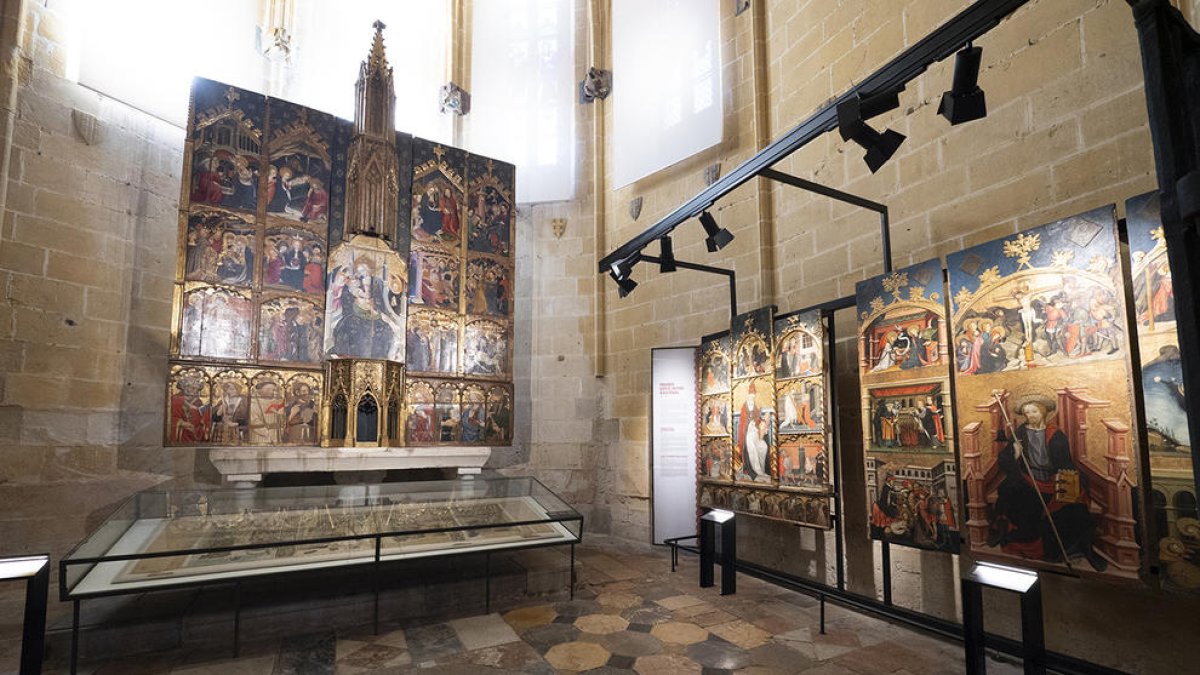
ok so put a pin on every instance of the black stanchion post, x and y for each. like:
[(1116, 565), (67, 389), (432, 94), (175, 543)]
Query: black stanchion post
[(973, 637), (707, 552), (729, 557), (886, 563)]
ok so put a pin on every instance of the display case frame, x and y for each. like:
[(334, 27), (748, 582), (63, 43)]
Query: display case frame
[(167, 540)]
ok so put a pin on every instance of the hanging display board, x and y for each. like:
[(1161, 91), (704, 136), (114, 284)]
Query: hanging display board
[(673, 441), (1043, 398), (1173, 490), (908, 437)]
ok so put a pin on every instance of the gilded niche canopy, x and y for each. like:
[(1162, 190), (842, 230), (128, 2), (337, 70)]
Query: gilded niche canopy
[(312, 246)]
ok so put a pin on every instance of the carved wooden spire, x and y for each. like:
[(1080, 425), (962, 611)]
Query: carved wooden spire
[(372, 180)]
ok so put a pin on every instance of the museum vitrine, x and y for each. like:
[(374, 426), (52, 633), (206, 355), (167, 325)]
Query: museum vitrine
[(176, 538)]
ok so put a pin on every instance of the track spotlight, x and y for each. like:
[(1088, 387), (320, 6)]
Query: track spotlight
[(879, 146), (621, 269), (718, 237), (666, 256), (965, 101), (625, 285)]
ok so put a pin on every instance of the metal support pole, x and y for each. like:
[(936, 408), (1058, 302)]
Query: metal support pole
[(375, 582), (75, 637), (973, 637), (642, 257), (487, 582), (885, 238), (33, 639), (572, 571), (237, 619), (839, 534), (821, 597), (886, 563), (1033, 634)]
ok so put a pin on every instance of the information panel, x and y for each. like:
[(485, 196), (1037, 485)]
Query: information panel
[(673, 442)]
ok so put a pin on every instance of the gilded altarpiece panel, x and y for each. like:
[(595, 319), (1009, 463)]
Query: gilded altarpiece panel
[(908, 439), (716, 417), (365, 302), (1173, 488), (803, 461), (239, 406), (1043, 398)]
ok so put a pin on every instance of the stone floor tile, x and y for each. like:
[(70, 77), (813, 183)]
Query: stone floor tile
[(376, 656), (651, 615), (675, 632), (666, 664), (528, 617), (780, 657), (577, 656), (254, 665), (429, 643), (741, 633), (307, 655), (717, 653), (615, 599), (346, 647), (601, 624), (630, 644), (477, 632), (542, 638), (675, 602), (712, 618)]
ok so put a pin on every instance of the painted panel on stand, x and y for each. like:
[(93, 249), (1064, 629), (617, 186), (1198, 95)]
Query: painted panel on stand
[(908, 439), (1173, 487), (1042, 393)]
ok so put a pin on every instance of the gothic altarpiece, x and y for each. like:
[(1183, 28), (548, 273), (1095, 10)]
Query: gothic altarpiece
[(339, 283)]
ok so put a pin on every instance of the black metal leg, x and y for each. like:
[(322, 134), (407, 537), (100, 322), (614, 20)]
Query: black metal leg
[(973, 638), (237, 620), (487, 583), (33, 641), (674, 555), (707, 553), (821, 597), (572, 571), (886, 564), (729, 557), (75, 638), (375, 583), (1033, 634)]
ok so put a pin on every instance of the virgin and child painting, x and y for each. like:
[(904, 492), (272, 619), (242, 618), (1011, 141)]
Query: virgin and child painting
[(226, 137), (216, 322), (1173, 494), (291, 329), (298, 177), (714, 365), (438, 193), (433, 279), (754, 429), (432, 342), (219, 248), (485, 349), (1048, 456), (490, 206), (714, 416), (365, 301), (294, 259), (908, 439), (489, 287), (716, 458)]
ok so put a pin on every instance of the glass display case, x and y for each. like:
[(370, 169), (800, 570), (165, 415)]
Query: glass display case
[(165, 539)]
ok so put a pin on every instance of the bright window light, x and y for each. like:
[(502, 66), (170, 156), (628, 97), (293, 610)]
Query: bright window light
[(523, 93), (667, 102), (333, 38), (146, 52)]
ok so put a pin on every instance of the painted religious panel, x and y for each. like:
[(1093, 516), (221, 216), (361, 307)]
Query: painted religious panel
[(499, 421), (802, 461), (226, 146), (301, 403), (714, 365), (216, 322), (489, 287), (219, 247), (908, 439), (1173, 488), (793, 507), (486, 349), (433, 278), (365, 301), (300, 164), (438, 195), (716, 458), (266, 409), (754, 429), (291, 329), (714, 415), (1043, 398), (420, 426), (432, 342), (448, 411), (230, 408), (491, 208), (294, 259), (752, 343), (189, 406), (474, 414)]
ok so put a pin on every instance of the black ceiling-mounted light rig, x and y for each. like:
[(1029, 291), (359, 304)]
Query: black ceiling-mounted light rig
[(852, 115), (965, 100), (718, 237), (620, 272)]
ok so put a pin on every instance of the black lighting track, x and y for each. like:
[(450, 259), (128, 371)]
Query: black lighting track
[(968, 25)]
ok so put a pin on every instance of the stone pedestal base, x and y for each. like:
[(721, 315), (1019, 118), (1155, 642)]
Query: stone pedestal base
[(245, 467)]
